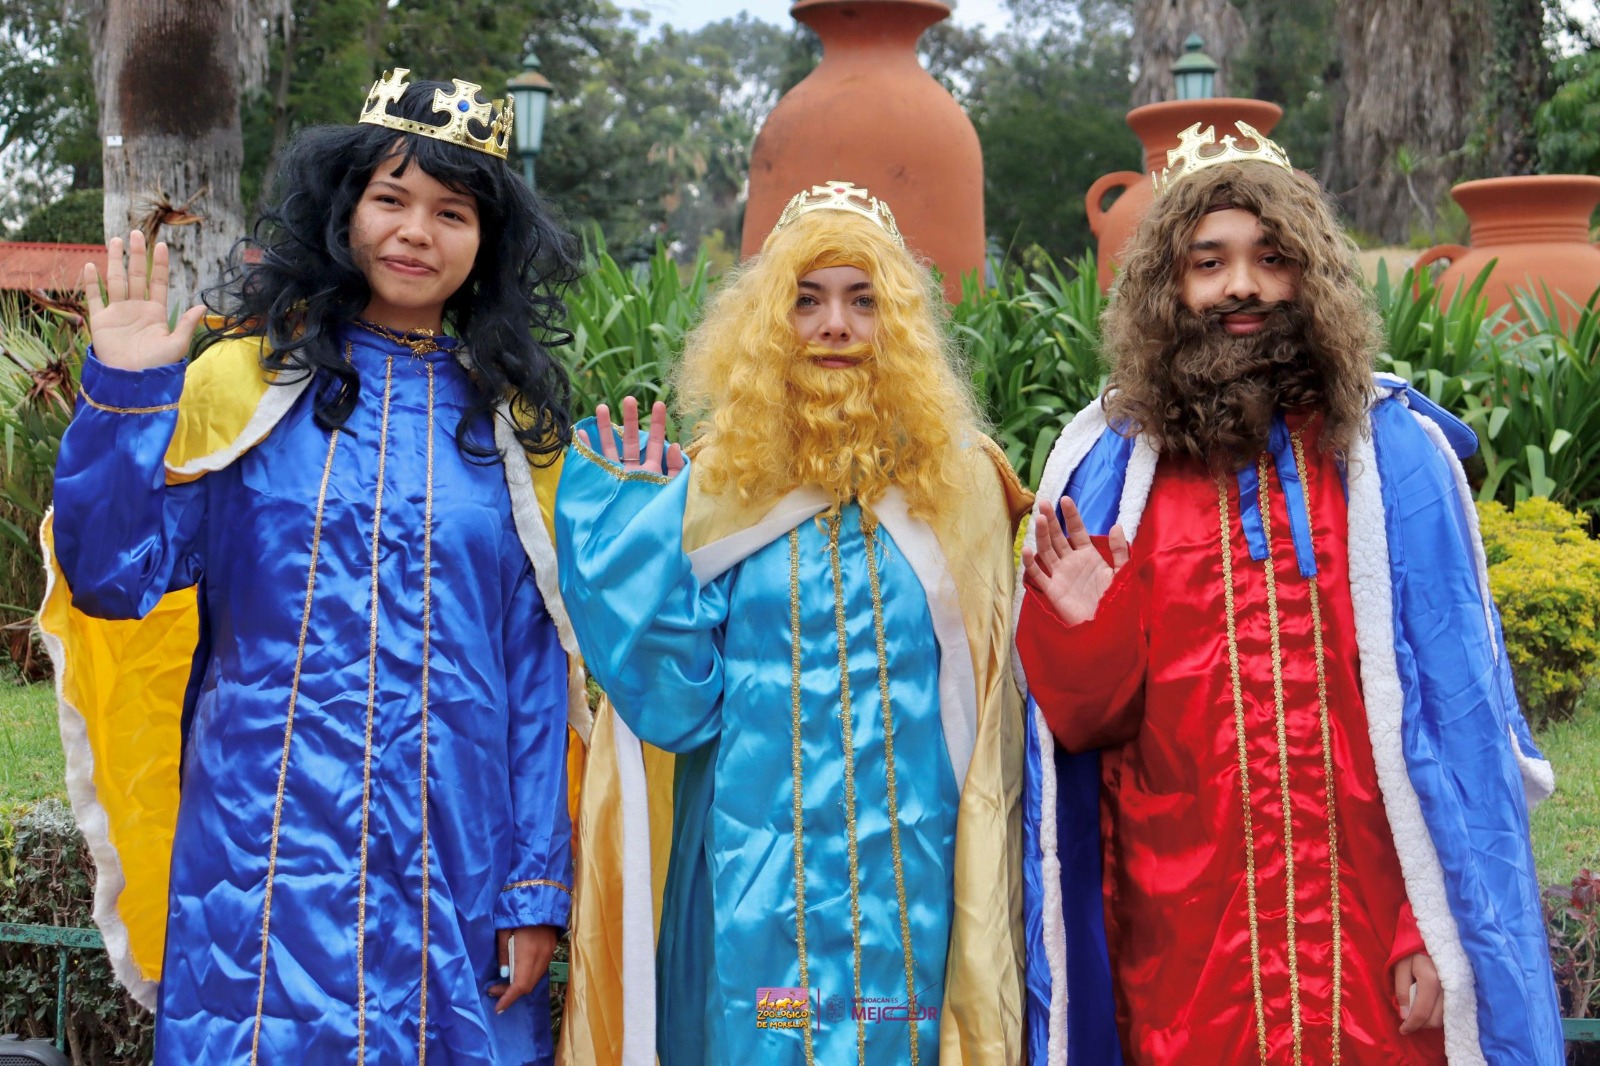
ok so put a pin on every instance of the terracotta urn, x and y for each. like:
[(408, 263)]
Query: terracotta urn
[(1536, 228), (870, 114), (1157, 127)]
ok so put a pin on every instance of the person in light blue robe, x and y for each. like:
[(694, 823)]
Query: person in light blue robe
[(806, 655)]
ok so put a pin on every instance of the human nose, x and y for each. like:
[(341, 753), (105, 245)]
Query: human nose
[(414, 229), (1241, 282), (835, 324)]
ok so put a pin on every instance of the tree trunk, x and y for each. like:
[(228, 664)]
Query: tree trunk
[(168, 77), (1159, 30), (1410, 85), (1519, 80)]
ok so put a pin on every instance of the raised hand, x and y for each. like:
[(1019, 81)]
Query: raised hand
[(654, 446), (1065, 568), (129, 323)]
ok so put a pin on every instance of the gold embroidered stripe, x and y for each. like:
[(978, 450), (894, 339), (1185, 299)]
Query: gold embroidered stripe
[(846, 725), (1327, 757), (1244, 765), (372, 695), (869, 530), (288, 735), (617, 472), (98, 406), (1263, 469), (427, 637), (538, 882), (796, 768)]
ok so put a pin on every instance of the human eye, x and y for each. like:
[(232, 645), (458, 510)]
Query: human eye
[(866, 302), (805, 300)]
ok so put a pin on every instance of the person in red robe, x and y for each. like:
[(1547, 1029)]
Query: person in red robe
[(1255, 890)]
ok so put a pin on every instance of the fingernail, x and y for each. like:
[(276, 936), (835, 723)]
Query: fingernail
[(1405, 1012), (505, 971)]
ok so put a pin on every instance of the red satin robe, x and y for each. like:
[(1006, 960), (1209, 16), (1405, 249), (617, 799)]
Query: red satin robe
[(1148, 680)]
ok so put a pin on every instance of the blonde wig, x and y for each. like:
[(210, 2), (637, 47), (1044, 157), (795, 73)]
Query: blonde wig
[(1324, 362), (767, 420)]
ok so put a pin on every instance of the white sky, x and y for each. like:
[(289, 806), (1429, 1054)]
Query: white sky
[(991, 15)]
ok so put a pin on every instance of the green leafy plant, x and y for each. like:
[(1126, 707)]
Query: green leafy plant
[(1572, 916), (46, 879), (40, 354), (1544, 571)]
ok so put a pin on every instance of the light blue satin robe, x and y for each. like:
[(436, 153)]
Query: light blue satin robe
[(499, 838), (706, 671)]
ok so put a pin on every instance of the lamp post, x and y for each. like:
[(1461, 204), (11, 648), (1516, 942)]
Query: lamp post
[(1194, 75), (530, 92)]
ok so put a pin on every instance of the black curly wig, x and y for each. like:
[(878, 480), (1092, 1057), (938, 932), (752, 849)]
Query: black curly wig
[(306, 283)]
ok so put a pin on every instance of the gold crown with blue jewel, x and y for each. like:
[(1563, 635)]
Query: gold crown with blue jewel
[(462, 108), (841, 196), (1196, 151)]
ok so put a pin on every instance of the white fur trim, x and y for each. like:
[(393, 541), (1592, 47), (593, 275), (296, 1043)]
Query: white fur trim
[(1538, 776), (1136, 483), (1054, 932), (535, 537), (720, 556), (958, 682), (1070, 448), (638, 904), (1372, 595), (91, 816), (1470, 509), (275, 403)]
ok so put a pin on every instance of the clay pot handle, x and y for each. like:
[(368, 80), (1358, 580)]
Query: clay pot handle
[(1451, 252), (1117, 179)]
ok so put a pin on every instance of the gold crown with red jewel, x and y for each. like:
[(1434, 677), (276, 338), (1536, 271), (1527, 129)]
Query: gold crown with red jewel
[(841, 196), (462, 107), (1196, 151)]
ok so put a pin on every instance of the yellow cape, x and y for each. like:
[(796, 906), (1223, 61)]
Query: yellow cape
[(120, 685), (982, 1020)]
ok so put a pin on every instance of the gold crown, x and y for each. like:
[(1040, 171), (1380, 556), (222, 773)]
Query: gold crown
[(1191, 154), (841, 196), (463, 106)]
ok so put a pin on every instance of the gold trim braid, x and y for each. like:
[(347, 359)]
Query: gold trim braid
[(847, 727), (427, 643), (1327, 756), (797, 767), (1263, 472), (1244, 765), (288, 735), (372, 695), (1263, 469), (869, 531), (98, 406), (538, 882)]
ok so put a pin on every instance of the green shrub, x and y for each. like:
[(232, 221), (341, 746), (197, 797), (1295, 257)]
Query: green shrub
[(46, 879), (76, 218), (1545, 574)]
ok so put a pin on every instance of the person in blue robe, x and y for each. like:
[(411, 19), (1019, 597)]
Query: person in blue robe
[(334, 506), (799, 828)]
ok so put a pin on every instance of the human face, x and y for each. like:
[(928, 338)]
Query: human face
[(416, 240), (835, 309), (1231, 259)]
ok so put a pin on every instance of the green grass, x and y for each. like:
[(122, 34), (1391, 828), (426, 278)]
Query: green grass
[(31, 765), (1566, 828)]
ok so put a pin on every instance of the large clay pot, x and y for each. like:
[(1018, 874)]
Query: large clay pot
[(1157, 127), (1536, 228), (870, 114)]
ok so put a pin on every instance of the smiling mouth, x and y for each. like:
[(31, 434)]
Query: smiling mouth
[(406, 266), (837, 362), (1241, 324)]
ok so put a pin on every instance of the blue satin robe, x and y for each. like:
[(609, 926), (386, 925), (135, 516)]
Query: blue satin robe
[(498, 833), (706, 671)]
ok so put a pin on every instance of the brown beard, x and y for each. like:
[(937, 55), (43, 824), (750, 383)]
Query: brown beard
[(1220, 391)]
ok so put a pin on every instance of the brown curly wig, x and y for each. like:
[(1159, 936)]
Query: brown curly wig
[(1196, 391)]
